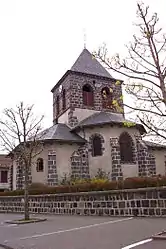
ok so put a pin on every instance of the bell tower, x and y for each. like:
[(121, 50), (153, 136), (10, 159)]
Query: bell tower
[(85, 89)]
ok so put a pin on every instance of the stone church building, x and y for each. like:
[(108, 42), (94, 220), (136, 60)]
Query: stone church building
[(89, 131)]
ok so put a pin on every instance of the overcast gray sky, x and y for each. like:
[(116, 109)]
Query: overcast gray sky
[(41, 39)]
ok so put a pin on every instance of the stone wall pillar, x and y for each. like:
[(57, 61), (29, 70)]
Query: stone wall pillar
[(30, 175), (72, 120), (146, 160), (19, 175), (152, 164), (10, 177), (117, 173), (80, 163), (52, 178)]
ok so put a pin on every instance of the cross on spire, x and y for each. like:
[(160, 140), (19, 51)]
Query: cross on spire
[(84, 38)]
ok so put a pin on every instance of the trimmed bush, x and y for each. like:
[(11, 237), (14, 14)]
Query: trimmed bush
[(101, 174), (92, 185), (37, 185)]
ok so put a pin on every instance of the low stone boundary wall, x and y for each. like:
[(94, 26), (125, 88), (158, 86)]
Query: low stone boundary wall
[(136, 202)]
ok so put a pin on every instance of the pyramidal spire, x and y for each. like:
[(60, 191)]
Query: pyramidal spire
[(86, 63)]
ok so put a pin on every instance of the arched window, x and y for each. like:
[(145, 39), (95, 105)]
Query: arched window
[(96, 146), (88, 95), (57, 105), (64, 99), (126, 148), (40, 165), (107, 97)]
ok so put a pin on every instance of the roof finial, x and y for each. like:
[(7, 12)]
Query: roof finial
[(84, 38)]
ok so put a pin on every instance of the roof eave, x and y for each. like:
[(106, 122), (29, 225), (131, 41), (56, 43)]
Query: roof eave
[(94, 75), (61, 79), (63, 141), (83, 74), (156, 147), (79, 127)]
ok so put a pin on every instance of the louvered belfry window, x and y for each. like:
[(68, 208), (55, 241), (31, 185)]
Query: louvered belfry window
[(88, 98), (57, 105), (107, 98), (64, 99)]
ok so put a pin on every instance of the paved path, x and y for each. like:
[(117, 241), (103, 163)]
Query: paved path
[(76, 232)]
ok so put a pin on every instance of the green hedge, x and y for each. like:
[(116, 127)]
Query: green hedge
[(97, 185)]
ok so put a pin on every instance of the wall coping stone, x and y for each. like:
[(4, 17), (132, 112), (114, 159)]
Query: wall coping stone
[(92, 192)]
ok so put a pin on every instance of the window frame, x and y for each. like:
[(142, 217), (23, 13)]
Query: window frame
[(64, 99), (40, 163), (88, 95), (96, 151), (6, 179), (108, 99), (57, 105), (126, 148)]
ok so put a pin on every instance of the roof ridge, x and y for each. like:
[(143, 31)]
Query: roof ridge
[(108, 114), (92, 115)]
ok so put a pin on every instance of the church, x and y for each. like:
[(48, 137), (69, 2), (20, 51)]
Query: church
[(89, 131)]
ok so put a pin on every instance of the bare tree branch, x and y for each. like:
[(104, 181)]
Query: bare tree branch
[(145, 67), (19, 131)]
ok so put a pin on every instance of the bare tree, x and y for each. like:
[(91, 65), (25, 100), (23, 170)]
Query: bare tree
[(145, 70), (19, 135)]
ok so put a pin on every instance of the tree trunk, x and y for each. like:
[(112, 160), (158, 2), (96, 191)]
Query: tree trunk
[(26, 194)]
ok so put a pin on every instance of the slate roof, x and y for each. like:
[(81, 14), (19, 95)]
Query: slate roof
[(86, 63), (154, 145), (101, 118), (60, 132)]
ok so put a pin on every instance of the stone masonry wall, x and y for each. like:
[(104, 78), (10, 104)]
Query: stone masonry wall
[(97, 84), (140, 202), (152, 163), (52, 178), (146, 160), (80, 163), (73, 85), (117, 173), (65, 85), (72, 119), (10, 177), (20, 176), (141, 154)]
